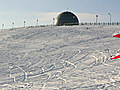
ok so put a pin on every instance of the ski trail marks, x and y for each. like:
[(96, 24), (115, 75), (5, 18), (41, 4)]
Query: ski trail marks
[(25, 73)]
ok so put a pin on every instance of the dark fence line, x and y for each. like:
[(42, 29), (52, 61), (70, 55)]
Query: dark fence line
[(27, 27), (80, 24), (101, 23)]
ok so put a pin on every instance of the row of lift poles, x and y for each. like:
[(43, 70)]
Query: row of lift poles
[(23, 26), (97, 18), (53, 22)]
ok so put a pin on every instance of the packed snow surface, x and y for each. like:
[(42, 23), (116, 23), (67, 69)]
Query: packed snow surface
[(59, 58)]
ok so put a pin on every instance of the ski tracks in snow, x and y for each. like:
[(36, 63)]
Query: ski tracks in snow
[(25, 73), (72, 66), (100, 58), (73, 56)]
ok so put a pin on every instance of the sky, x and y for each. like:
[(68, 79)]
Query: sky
[(44, 11)]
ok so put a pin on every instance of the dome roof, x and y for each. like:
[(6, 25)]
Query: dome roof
[(67, 18)]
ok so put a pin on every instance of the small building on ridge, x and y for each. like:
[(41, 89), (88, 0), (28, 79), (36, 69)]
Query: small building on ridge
[(67, 18)]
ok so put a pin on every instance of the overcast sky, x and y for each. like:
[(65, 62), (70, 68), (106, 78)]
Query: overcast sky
[(44, 10)]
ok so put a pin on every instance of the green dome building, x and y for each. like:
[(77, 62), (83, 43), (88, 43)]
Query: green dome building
[(67, 18)]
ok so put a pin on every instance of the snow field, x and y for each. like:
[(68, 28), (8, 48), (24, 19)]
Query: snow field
[(59, 58)]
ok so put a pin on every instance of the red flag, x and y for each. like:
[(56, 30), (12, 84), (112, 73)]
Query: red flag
[(116, 57), (117, 35)]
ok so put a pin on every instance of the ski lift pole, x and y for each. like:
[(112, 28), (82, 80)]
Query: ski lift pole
[(37, 22), (110, 17), (2, 26), (53, 21), (13, 25), (24, 23), (96, 19)]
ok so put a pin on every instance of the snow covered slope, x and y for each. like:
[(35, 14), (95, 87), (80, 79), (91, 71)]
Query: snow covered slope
[(59, 58)]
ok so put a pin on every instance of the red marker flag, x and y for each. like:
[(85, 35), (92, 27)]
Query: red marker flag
[(116, 57), (117, 35)]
